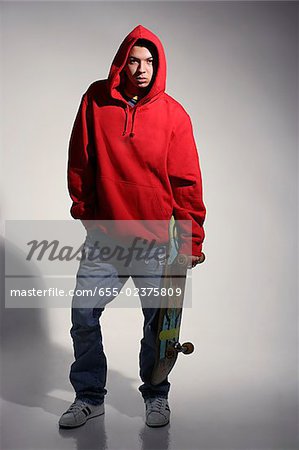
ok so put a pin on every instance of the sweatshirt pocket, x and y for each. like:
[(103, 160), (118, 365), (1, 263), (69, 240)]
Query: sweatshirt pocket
[(123, 200)]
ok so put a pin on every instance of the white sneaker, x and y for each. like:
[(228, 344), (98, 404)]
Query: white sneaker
[(78, 413), (157, 412)]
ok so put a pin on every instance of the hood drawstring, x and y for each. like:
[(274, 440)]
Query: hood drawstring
[(126, 121), (132, 134)]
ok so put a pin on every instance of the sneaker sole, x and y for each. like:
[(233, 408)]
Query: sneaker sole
[(157, 425), (83, 423)]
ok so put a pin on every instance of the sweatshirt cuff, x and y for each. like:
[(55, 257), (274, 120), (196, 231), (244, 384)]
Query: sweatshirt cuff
[(186, 248), (82, 211)]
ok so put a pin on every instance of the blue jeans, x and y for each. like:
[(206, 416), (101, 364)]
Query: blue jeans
[(88, 372)]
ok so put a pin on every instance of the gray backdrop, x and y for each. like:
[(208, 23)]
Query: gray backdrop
[(233, 66)]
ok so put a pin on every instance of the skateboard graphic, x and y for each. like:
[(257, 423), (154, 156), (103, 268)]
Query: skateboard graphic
[(169, 322)]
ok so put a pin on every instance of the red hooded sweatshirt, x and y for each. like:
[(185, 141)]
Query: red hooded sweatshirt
[(135, 163)]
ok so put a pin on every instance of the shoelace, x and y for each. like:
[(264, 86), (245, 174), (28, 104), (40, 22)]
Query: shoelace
[(76, 407), (156, 404)]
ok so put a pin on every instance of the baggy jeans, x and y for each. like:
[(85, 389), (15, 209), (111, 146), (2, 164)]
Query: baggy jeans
[(88, 373)]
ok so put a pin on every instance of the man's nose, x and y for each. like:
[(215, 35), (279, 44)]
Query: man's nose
[(142, 67)]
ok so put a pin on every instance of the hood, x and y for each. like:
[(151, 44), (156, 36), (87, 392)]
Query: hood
[(115, 77)]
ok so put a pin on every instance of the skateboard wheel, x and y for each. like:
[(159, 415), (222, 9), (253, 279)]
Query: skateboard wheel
[(182, 259), (187, 348)]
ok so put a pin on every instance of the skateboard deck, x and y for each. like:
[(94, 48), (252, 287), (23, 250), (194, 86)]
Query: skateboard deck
[(169, 322)]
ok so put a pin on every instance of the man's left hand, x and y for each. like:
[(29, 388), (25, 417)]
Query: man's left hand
[(194, 260)]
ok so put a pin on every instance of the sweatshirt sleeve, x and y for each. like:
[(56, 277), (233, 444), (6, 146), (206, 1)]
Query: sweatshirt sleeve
[(186, 182), (81, 169)]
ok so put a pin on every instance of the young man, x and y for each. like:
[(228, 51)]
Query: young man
[(132, 158)]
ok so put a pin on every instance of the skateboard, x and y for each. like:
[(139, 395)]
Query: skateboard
[(167, 341)]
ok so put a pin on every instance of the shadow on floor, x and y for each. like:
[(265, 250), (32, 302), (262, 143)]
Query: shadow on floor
[(32, 368)]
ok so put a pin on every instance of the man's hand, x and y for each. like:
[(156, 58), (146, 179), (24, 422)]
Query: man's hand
[(194, 260)]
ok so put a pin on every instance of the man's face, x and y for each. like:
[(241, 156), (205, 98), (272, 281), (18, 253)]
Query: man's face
[(139, 67)]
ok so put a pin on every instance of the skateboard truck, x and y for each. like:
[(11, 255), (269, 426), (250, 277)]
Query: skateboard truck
[(185, 348)]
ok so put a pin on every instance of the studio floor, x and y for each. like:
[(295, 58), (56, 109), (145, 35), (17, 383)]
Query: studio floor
[(213, 407)]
